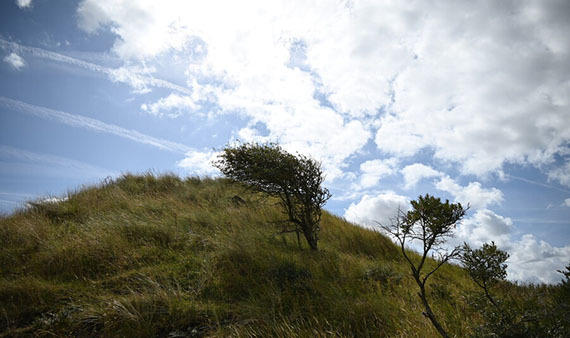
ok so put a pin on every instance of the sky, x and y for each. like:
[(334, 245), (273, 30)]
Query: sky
[(465, 100)]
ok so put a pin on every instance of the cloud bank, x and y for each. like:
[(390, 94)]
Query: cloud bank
[(466, 80)]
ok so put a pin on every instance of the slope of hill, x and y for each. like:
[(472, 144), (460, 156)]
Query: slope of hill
[(147, 256)]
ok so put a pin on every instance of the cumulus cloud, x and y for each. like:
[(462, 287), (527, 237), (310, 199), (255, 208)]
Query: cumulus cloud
[(374, 170), (15, 61), (244, 65), (485, 226), (371, 210), (462, 79), (472, 96), (199, 163), (567, 202), (24, 3), (473, 194), (172, 106), (561, 174), (414, 173), (531, 260), (536, 261)]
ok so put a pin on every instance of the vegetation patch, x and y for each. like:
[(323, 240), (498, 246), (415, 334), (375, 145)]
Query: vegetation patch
[(161, 256)]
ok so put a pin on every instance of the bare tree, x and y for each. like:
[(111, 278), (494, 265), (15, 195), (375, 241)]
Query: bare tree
[(295, 179), (430, 222)]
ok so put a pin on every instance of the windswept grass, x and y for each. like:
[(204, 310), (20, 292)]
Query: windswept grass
[(161, 256)]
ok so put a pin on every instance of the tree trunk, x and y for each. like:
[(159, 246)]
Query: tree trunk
[(429, 313), (490, 298), (312, 240), (311, 237)]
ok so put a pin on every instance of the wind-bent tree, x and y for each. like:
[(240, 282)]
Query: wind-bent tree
[(486, 266), (430, 222), (295, 179)]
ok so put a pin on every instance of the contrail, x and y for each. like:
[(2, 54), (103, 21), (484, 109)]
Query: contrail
[(111, 72), (51, 160), (537, 183), (93, 124)]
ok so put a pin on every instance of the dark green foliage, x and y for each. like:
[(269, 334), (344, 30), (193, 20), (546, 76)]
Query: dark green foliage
[(436, 220), (486, 266), (431, 222), (518, 316), (533, 311), (295, 179), (560, 314)]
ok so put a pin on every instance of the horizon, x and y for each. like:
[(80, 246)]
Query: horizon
[(464, 101)]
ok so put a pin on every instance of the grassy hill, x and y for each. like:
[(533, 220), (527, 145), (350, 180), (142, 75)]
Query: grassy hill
[(147, 256)]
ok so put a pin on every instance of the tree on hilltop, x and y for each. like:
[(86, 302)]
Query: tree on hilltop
[(429, 222), (295, 179)]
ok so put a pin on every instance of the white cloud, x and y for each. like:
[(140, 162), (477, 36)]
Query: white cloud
[(374, 170), (567, 202), (472, 95), (308, 129), (485, 226), (536, 261), (462, 79), (473, 194), (371, 210), (531, 260), (199, 163), (24, 3), (171, 106), (245, 68), (561, 174), (416, 172), (15, 61)]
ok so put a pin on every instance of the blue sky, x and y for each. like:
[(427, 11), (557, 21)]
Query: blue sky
[(465, 100)]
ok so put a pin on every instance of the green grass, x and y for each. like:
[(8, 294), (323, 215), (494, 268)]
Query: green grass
[(157, 256)]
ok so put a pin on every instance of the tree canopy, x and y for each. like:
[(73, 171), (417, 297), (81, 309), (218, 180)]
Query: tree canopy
[(486, 266), (295, 179)]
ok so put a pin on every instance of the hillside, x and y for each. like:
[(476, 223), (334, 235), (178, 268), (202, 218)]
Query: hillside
[(147, 256)]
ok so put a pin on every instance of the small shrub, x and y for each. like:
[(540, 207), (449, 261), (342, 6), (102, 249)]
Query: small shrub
[(384, 274), (287, 275)]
